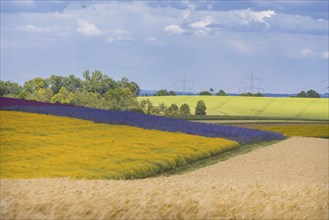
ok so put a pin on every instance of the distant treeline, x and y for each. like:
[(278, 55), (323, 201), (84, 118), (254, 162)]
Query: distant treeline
[(94, 90), (98, 90), (309, 94)]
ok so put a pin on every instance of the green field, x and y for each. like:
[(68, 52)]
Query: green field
[(292, 108)]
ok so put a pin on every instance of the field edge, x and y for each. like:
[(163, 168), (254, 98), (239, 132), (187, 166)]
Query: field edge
[(222, 156)]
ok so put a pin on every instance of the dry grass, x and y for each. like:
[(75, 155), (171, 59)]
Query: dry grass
[(287, 180)]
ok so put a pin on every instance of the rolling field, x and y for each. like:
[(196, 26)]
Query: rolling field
[(293, 108), (55, 167), (286, 180), (39, 146)]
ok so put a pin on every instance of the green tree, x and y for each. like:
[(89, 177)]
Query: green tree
[(252, 94), (97, 82), (63, 96), (200, 108), (35, 84), (125, 83), (211, 90), (55, 83), (41, 95), (121, 99), (221, 93), (148, 107), (312, 94), (3, 88), (172, 93), (90, 99), (173, 109), (71, 83), (302, 94), (162, 92), (258, 94), (205, 93), (185, 109), (163, 108), (8, 88)]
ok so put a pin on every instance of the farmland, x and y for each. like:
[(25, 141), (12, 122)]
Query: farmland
[(51, 153), (34, 146), (287, 180), (293, 129), (241, 135), (258, 107)]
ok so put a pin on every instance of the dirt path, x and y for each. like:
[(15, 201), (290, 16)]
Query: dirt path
[(287, 180)]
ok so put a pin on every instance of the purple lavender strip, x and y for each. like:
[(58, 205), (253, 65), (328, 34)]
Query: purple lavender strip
[(241, 135)]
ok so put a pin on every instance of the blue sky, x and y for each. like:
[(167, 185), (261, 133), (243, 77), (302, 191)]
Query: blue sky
[(215, 43)]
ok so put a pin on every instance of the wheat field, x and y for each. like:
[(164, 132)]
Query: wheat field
[(286, 180)]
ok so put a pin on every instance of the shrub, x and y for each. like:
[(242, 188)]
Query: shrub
[(173, 109), (185, 109), (205, 93), (221, 93), (200, 108)]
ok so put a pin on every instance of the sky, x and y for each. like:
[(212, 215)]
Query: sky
[(213, 44)]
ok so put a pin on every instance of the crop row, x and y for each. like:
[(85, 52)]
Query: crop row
[(241, 135)]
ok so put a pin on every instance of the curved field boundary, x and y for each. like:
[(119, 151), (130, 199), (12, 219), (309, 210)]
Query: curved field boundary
[(256, 185), (101, 151), (216, 108), (243, 136), (264, 107), (305, 108)]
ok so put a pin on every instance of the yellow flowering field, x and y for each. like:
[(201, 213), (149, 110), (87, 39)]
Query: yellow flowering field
[(36, 146), (305, 130)]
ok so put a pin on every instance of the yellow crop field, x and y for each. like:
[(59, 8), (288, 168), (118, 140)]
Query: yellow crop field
[(295, 108), (305, 130), (35, 146)]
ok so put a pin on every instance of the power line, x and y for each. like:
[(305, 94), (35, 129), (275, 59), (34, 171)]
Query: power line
[(253, 84), (313, 85), (184, 85)]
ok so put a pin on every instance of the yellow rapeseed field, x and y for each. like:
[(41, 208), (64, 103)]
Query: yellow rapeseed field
[(294, 108), (304, 130), (36, 145)]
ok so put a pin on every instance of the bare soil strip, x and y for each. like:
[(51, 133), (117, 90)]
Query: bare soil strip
[(286, 180)]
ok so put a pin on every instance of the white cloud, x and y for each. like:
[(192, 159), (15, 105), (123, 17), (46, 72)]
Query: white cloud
[(32, 28), (248, 15), (154, 41), (174, 29), (89, 29), (306, 52), (202, 24), (119, 35), (325, 55)]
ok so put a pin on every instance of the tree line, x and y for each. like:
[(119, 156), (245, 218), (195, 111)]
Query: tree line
[(94, 90), (173, 109)]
